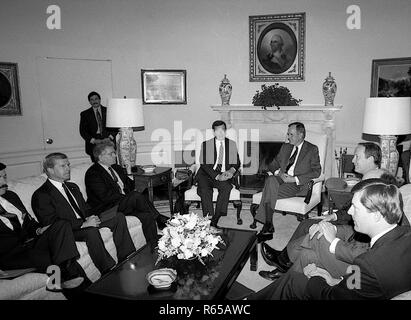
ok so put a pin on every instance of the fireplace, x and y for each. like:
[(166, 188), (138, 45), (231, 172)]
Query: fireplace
[(257, 156), (271, 125)]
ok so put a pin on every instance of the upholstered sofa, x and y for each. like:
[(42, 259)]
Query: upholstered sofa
[(32, 286)]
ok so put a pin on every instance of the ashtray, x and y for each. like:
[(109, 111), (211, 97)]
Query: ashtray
[(148, 168), (162, 279)]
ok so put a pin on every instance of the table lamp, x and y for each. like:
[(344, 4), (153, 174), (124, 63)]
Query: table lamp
[(126, 114), (388, 117)]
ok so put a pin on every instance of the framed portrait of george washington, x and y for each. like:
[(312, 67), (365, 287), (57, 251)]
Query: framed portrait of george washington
[(9, 89), (277, 47)]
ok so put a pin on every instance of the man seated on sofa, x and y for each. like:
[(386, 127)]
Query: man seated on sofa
[(367, 161), (297, 163), (59, 200), (109, 187), (25, 244), (376, 210)]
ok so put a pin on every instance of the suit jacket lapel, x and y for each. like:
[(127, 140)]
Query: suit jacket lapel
[(215, 150), (106, 176)]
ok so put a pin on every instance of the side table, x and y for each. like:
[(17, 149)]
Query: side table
[(160, 176)]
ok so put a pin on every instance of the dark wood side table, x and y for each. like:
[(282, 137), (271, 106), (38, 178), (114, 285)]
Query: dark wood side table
[(160, 176)]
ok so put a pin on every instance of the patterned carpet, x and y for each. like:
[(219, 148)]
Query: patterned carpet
[(284, 227)]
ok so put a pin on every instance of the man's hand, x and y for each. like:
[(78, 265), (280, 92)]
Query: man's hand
[(95, 141), (92, 221), (312, 270), (287, 178), (315, 228), (227, 174), (40, 231), (329, 230)]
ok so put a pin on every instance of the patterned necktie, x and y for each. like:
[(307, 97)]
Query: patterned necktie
[(99, 121), (220, 158), (14, 220), (113, 175), (71, 200), (292, 159)]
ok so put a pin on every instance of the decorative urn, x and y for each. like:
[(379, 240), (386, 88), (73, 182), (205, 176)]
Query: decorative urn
[(225, 90), (329, 90)]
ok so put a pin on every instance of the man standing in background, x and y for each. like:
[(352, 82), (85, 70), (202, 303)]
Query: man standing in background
[(93, 124)]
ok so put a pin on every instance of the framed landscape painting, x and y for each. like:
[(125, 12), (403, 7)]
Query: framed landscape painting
[(277, 47), (391, 77), (163, 86), (9, 89)]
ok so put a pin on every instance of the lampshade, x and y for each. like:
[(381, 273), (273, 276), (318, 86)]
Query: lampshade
[(125, 113), (387, 116)]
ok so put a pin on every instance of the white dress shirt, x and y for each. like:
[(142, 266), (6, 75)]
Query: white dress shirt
[(10, 208), (59, 187), (217, 146), (119, 181), (291, 170)]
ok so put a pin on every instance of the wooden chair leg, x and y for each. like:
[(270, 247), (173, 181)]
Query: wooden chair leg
[(238, 205), (320, 209), (254, 258), (253, 210)]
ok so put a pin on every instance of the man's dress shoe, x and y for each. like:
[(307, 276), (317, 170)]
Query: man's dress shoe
[(270, 275), (273, 258)]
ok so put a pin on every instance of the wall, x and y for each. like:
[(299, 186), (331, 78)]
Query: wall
[(208, 39)]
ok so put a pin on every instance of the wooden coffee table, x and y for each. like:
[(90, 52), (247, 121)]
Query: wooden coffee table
[(194, 281)]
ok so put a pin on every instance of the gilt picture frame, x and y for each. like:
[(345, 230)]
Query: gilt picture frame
[(277, 47), (391, 77), (9, 89), (164, 86)]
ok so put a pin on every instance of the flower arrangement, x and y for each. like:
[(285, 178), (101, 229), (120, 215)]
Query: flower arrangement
[(188, 237), (274, 95)]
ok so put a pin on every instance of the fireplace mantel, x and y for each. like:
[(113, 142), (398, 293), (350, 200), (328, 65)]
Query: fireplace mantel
[(272, 123)]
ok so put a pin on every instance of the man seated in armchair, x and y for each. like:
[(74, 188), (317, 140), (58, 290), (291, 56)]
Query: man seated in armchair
[(377, 212), (219, 161), (296, 164)]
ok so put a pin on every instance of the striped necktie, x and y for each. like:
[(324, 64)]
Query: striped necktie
[(292, 159), (220, 158)]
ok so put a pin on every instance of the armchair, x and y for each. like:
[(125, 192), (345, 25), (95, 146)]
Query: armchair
[(300, 206)]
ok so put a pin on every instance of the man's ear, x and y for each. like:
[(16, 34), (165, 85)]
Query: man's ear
[(377, 216)]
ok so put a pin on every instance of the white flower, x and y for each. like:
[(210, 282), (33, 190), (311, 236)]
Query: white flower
[(162, 245), (176, 242), (204, 252)]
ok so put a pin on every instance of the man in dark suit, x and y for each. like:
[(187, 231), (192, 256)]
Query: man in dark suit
[(376, 212), (25, 244), (296, 164), (60, 200), (108, 186), (219, 161), (93, 124)]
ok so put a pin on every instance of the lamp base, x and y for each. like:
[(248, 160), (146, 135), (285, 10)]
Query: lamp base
[(390, 156), (126, 149)]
